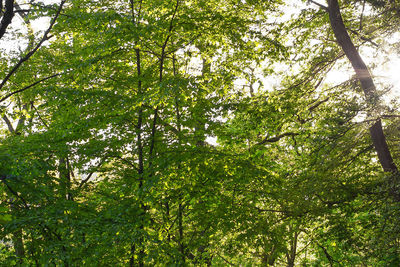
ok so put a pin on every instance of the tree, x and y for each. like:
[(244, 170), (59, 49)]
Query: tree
[(117, 102)]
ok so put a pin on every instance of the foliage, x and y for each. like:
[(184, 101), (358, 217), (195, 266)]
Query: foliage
[(107, 152)]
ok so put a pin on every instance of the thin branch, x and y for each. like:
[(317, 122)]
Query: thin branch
[(126, 161), (23, 13), (328, 256), (3, 179), (22, 119), (219, 255), (318, 4), (4, 98), (163, 47), (153, 132), (276, 138), (40, 117), (369, 40), (191, 41), (362, 151), (390, 116), (318, 104), (361, 16), (315, 69), (91, 174), (84, 181), (270, 210), (169, 126)]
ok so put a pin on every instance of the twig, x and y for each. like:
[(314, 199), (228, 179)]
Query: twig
[(4, 98)]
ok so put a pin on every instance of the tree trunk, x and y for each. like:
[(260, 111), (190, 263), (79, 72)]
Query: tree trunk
[(291, 253), (367, 84), (18, 245), (7, 16), (65, 178)]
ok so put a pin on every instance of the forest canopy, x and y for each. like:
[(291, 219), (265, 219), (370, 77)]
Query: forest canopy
[(199, 133)]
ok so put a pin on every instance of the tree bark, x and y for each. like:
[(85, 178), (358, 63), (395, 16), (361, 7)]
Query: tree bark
[(18, 245), (18, 242), (366, 81), (291, 253), (7, 16), (65, 178)]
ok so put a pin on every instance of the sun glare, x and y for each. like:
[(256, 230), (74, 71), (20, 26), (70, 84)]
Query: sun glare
[(392, 74)]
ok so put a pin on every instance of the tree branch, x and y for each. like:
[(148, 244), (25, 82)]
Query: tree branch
[(40, 117), (276, 138), (364, 38), (22, 12), (9, 124), (318, 4), (361, 16), (328, 256), (33, 51), (84, 181), (3, 179), (4, 98)]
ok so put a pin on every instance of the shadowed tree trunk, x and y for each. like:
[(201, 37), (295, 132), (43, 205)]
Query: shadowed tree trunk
[(18, 243), (7, 15), (367, 84)]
